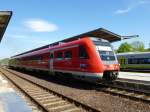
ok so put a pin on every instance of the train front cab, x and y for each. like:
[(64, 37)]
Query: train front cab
[(108, 58)]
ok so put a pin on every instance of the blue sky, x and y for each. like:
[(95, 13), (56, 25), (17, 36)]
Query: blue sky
[(36, 23)]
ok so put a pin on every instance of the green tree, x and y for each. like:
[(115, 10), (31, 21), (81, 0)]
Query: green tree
[(138, 46), (124, 47)]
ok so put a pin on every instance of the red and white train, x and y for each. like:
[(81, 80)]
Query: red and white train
[(88, 57)]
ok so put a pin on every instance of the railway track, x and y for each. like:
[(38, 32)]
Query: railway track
[(46, 99), (142, 87), (125, 88)]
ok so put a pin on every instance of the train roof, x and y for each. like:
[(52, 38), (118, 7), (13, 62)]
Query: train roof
[(132, 53), (4, 20)]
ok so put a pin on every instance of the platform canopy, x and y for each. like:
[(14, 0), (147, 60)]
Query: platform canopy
[(100, 33), (4, 20)]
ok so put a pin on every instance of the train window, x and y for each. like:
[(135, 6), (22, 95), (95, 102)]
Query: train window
[(132, 61), (139, 61), (83, 53), (148, 60), (68, 55), (59, 55), (51, 55), (35, 58)]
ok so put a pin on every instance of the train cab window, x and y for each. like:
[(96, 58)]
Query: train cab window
[(68, 55), (83, 53), (59, 55)]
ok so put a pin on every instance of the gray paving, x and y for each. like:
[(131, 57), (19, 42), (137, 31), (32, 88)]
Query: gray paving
[(135, 76)]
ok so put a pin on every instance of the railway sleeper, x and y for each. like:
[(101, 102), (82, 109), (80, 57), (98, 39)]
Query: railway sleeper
[(139, 96), (33, 92), (40, 94), (37, 93), (73, 110), (61, 108), (47, 97), (50, 100), (129, 94), (148, 99), (43, 96), (121, 92), (35, 89), (56, 103), (112, 90)]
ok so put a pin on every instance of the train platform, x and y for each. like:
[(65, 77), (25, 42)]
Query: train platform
[(135, 76), (9, 100)]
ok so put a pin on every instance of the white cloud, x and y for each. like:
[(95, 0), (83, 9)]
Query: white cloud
[(132, 6), (122, 11), (39, 25)]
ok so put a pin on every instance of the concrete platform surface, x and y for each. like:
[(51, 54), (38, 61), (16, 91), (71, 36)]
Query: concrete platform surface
[(135, 76), (9, 100)]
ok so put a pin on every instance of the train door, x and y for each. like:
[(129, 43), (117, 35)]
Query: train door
[(51, 61)]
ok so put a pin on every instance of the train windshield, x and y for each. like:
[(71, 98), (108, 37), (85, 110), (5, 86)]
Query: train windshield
[(105, 50), (106, 55)]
